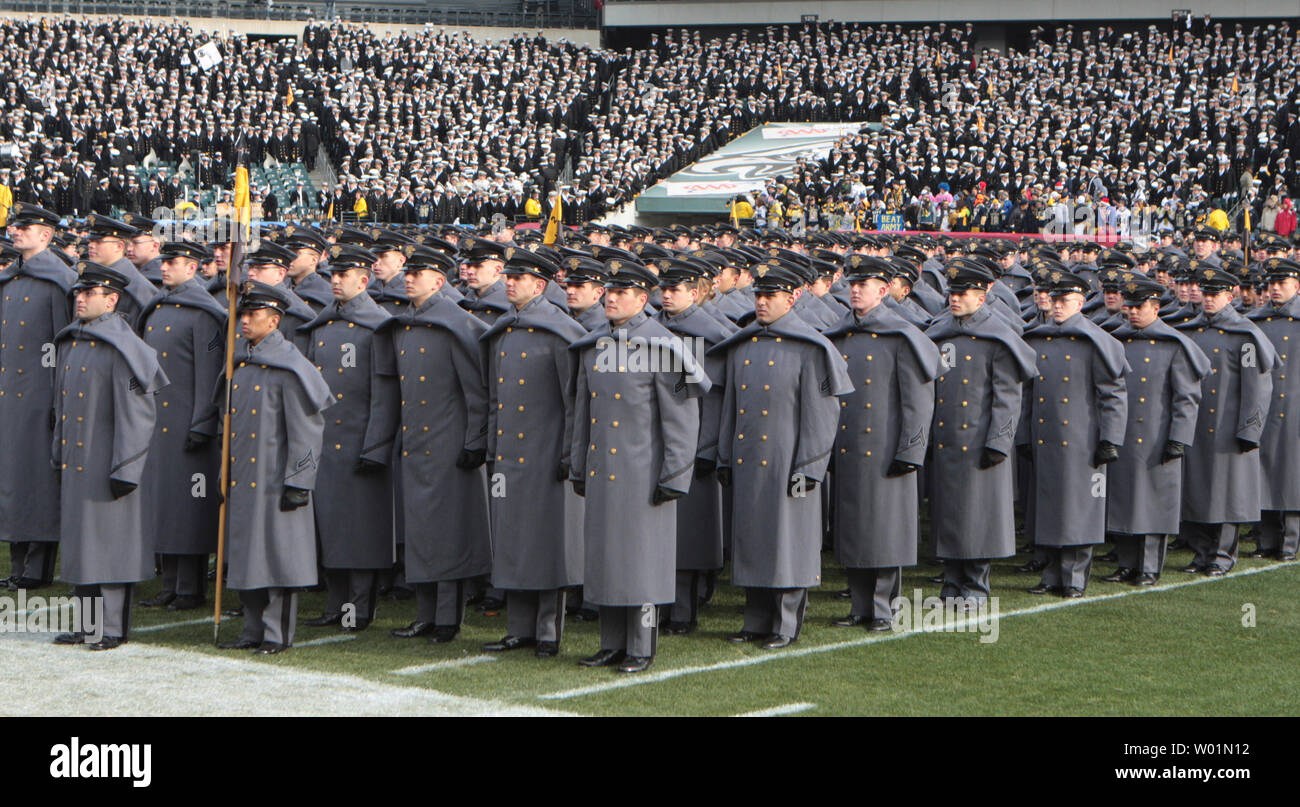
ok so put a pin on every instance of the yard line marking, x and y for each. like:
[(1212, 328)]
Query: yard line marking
[(345, 637), (468, 661), (166, 625), (778, 711), (664, 675)]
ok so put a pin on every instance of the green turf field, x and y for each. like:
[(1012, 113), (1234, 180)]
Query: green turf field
[(1178, 649)]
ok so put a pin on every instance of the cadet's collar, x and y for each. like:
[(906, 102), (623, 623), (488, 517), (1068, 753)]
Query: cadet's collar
[(269, 341), (353, 304), (977, 316), (688, 310), (533, 303), (634, 322)]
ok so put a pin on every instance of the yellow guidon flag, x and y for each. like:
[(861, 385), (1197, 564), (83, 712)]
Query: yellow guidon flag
[(553, 223), (243, 201)]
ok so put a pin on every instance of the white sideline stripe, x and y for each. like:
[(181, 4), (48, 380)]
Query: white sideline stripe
[(346, 637), (468, 661), (664, 675), (778, 711), (166, 625)]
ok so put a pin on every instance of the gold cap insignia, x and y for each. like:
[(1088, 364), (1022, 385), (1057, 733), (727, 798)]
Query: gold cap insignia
[(408, 250), (762, 270), (336, 250), (574, 262), (1208, 274), (614, 266), (510, 252)]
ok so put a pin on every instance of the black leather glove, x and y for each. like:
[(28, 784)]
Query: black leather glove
[(580, 487), (806, 484), (724, 476), (1025, 450), (704, 467), (195, 441), (292, 499), (901, 468), (991, 457), (1246, 446), (366, 467), (120, 488), (1106, 453), (562, 471), (468, 460), (663, 494), (1173, 450)]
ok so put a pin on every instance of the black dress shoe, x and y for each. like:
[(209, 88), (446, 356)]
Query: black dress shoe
[(491, 605), (1215, 571), (186, 603), (107, 643), (777, 641), (635, 664), (31, 583), (240, 644), (159, 600), (547, 649), (1071, 593), (1263, 553), (1192, 568), (357, 627), (1032, 566), (399, 593), (70, 638), (443, 633), (845, 594), (938, 578), (1146, 579), (413, 630), (678, 628), (1043, 588), (850, 621), (880, 625), (1120, 576), (1177, 544), (509, 643), (270, 648), (325, 619), (1109, 557), (745, 636), (604, 658), (586, 615), (1286, 556), (233, 611), (10, 583)]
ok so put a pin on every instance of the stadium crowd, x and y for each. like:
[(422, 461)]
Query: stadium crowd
[(1155, 128)]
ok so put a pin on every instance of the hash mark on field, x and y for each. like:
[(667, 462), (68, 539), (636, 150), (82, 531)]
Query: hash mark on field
[(664, 675), (778, 711), (444, 665), (344, 637), (166, 625)]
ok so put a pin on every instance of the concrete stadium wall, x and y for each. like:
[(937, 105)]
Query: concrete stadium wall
[(225, 25), (661, 13)]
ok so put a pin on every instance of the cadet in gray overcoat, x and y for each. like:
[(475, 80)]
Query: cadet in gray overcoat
[(106, 377), (984, 364), (536, 518), (635, 433), (884, 430), (187, 329), (1223, 478), (1076, 413), (34, 306)]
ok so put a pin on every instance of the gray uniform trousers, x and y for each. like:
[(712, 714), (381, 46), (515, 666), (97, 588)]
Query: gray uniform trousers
[(1215, 545), (356, 587), (692, 588), (441, 603), (117, 607), (270, 615), (872, 591), (624, 628), (533, 614), (966, 578), (33, 560), (775, 611), (1145, 553), (185, 575), (1279, 531), (1068, 566)]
